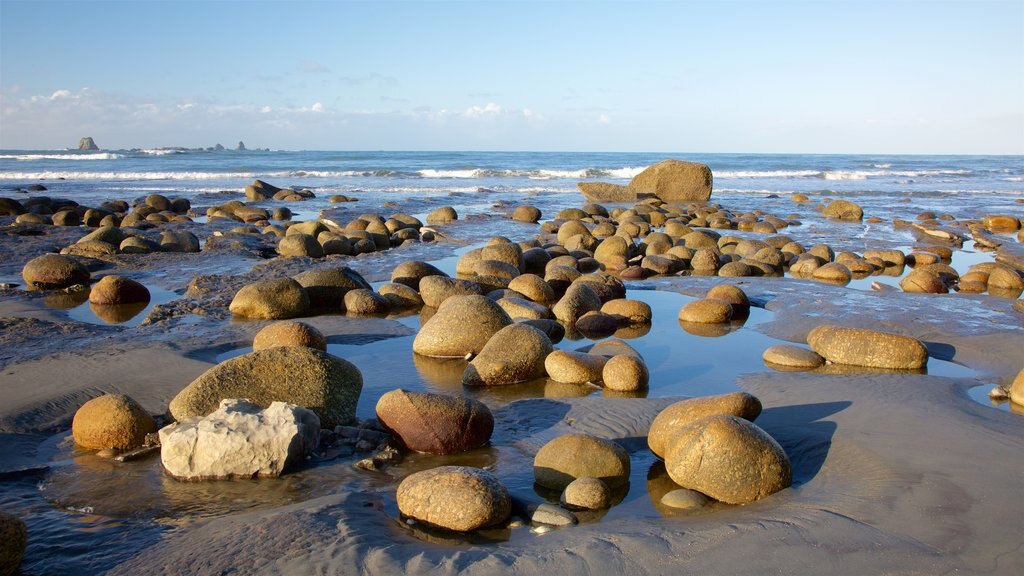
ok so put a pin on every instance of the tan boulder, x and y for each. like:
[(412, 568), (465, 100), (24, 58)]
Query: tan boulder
[(113, 290), (860, 347), (326, 287), (436, 289), (274, 299), (684, 412), (573, 456), (587, 494), (605, 192), (792, 357), (289, 333), (111, 421), (574, 367), (579, 299), (1017, 389), (675, 181), (514, 354), (456, 498), (52, 271), (625, 373), (462, 325), (706, 311)]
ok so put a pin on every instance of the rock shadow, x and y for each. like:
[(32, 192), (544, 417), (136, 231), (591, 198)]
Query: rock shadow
[(941, 350), (801, 433)]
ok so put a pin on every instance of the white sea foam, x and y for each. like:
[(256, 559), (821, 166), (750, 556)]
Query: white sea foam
[(159, 152), (31, 157), (767, 173), (66, 175), (837, 174)]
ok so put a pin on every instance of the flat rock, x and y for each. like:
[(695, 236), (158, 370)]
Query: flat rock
[(861, 347)]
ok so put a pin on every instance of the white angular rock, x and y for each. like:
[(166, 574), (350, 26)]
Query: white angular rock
[(239, 440)]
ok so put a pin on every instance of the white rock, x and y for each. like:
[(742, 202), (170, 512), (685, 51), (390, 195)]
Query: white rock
[(239, 440)]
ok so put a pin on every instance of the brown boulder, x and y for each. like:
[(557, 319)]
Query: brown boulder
[(111, 421), (52, 271), (112, 290), (859, 347), (675, 181), (435, 423), (289, 333)]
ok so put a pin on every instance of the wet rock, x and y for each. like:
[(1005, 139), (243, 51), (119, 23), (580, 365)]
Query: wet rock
[(1000, 223), (625, 373), (923, 282), (533, 287), (683, 499), (289, 333), (326, 288), (522, 308), (9, 207), (586, 494), (362, 302), (400, 296), (550, 515), (113, 290), (442, 215), (302, 245), (462, 325), (859, 347), (179, 241), (553, 329), (792, 357), (889, 257), (706, 311), (732, 294), (327, 385), (630, 311), (436, 289), (111, 421), (604, 192), (456, 498), (260, 190), (675, 181), (573, 456), (596, 325), (515, 353), (613, 249), (239, 440), (412, 272), (843, 210), (579, 299), (138, 245), (574, 367), (274, 299), (435, 423), (13, 540), (685, 412), (1005, 278), (53, 271), (727, 458), (833, 273), (526, 214)]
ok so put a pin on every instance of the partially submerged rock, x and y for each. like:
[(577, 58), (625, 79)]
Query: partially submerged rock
[(239, 440), (13, 539), (313, 379), (515, 353), (461, 326), (435, 423), (114, 290), (274, 299), (51, 271), (573, 456), (455, 498), (685, 412), (586, 494), (111, 421), (289, 333), (860, 347)]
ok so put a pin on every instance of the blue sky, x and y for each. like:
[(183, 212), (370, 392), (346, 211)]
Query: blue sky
[(830, 76)]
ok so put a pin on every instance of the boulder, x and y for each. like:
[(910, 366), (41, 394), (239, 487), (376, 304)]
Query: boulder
[(302, 245), (436, 289), (52, 271), (573, 456), (462, 325), (111, 421), (362, 302), (604, 192), (274, 299), (239, 440), (533, 287), (515, 353), (327, 385), (674, 181), (792, 357), (685, 412), (411, 272), (259, 190), (289, 333), (400, 296), (442, 215), (522, 308), (727, 458), (456, 498), (587, 494), (860, 347), (326, 288), (732, 294), (683, 499), (579, 299), (625, 373), (435, 423), (113, 290), (13, 539), (630, 311), (706, 311), (574, 367), (843, 210), (1017, 389), (179, 241), (526, 214)]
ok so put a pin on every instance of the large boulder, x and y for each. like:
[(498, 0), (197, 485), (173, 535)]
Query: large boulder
[(313, 379), (579, 299), (604, 192), (274, 299), (843, 210), (456, 498), (625, 373), (435, 423), (113, 290), (111, 421), (727, 458), (302, 245), (573, 456), (860, 347), (675, 181), (462, 325), (289, 333), (239, 440), (515, 353), (13, 539), (436, 289), (259, 190), (411, 272), (327, 287), (685, 412), (52, 271), (87, 143)]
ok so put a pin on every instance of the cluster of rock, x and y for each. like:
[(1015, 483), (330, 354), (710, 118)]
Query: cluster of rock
[(146, 213)]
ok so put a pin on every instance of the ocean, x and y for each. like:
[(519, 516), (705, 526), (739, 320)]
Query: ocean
[(966, 186)]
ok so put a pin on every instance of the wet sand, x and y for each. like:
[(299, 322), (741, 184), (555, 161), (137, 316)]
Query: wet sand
[(893, 473)]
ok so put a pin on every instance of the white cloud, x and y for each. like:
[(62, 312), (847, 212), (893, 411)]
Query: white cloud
[(317, 107), (604, 119), (490, 109)]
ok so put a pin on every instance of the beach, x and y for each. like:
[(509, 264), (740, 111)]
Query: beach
[(893, 471)]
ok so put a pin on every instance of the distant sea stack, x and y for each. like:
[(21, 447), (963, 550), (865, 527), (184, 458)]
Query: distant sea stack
[(87, 143), (669, 180), (241, 145)]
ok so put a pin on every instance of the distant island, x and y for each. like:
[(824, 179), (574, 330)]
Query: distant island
[(87, 143)]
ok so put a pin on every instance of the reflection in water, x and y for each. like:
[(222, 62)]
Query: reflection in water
[(659, 484), (442, 373), (66, 300), (706, 330), (117, 313)]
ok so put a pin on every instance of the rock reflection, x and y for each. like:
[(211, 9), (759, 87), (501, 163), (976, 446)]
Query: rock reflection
[(66, 300), (117, 313)]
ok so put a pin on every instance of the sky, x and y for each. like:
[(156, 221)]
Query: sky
[(824, 76)]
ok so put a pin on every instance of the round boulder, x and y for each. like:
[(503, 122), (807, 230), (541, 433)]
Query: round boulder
[(1017, 389), (574, 367), (112, 290), (456, 498), (515, 353), (314, 379), (579, 299), (526, 214), (674, 181), (435, 423), (289, 333), (52, 271), (363, 302), (727, 458), (274, 299), (859, 347), (327, 287), (632, 311), (111, 421), (587, 494), (442, 215), (299, 244), (411, 272), (573, 456), (436, 289), (625, 373), (843, 210), (462, 325), (684, 412), (706, 311)]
